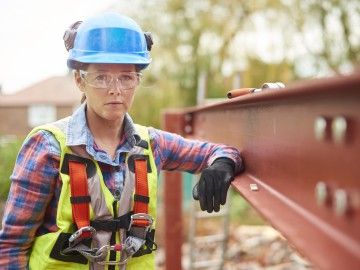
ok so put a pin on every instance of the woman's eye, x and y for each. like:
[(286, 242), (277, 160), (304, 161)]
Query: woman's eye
[(101, 78), (126, 78)]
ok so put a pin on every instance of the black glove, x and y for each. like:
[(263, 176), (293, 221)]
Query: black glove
[(211, 190)]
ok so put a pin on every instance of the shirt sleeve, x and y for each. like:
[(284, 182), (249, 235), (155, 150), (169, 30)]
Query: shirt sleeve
[(174, 152), (32, 186)]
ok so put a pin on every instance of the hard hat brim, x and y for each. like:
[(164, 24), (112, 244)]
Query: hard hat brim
[(113, 58)]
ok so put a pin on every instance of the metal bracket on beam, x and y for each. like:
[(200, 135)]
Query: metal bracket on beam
[(188, 125)]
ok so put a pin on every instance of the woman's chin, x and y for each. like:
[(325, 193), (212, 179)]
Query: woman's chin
[(114, 115)]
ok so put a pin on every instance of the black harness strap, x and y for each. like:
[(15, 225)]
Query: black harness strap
[(112, 225)]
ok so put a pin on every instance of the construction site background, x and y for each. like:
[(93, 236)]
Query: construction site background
[(216, 46)]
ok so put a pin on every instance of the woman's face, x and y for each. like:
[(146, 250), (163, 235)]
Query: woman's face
[(109, 89)]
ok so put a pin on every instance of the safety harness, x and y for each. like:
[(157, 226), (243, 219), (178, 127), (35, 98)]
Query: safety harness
[(138, 223)]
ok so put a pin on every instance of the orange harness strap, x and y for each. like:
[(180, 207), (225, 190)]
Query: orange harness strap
[(79, 195), (141, 196)]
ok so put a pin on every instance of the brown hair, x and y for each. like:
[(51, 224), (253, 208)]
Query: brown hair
[(81, 66)]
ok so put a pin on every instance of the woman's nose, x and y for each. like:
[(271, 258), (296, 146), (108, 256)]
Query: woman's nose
[(114, 91), (115, 88)]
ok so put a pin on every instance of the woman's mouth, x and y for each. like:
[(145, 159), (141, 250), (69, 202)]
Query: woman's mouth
[(114, 103)]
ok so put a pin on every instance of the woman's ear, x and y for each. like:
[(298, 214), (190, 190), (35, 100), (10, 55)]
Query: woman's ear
[(79, 81)]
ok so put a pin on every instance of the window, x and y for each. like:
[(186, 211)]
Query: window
[(41, 114)]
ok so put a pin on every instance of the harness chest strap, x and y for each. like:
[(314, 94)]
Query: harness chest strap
[(140, 221), (80, 198)]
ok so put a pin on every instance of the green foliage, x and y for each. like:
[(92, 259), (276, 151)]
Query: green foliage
[(8, 154), (264, 41), (260, 72), (153, 96)]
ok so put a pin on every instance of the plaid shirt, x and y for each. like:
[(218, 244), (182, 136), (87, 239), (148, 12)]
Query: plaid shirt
[(31, 207)]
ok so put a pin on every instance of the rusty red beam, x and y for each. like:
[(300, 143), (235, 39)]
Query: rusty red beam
[(173, 122), (301, 147)]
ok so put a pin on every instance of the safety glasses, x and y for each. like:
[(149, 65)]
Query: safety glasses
[(105, 80)]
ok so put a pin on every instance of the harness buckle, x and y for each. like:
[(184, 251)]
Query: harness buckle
[(104, 250), (141, 220), (77, 236)]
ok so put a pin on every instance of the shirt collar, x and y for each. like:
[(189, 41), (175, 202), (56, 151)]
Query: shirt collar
[(130, 132)]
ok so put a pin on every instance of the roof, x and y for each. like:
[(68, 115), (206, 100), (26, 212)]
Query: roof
[(57, 91)]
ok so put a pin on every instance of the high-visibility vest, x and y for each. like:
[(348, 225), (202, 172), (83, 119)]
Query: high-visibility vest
[(101, 206)]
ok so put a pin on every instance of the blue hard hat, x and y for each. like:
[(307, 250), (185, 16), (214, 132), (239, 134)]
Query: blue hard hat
[(108, 38)]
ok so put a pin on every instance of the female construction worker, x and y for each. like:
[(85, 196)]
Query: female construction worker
[(83, 192)]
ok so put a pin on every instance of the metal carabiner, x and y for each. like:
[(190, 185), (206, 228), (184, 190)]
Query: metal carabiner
[(105, 249), (74, 238), (113, 262)]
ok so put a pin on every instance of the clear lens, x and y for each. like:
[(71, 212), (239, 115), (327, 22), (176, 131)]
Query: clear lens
[(124, 80)]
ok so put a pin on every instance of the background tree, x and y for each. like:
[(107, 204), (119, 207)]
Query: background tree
[(266, 40)]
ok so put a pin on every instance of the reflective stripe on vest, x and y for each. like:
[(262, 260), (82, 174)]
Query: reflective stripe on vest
[(100, 208)]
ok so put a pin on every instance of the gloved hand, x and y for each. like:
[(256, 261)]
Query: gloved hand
[(211, 190)]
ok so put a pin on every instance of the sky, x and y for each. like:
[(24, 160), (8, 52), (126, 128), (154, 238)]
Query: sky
[(31, 45)]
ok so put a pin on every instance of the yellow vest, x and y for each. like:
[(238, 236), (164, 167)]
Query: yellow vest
[(43, 245)]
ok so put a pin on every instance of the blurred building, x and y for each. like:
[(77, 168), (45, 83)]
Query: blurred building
[(44, 102)]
